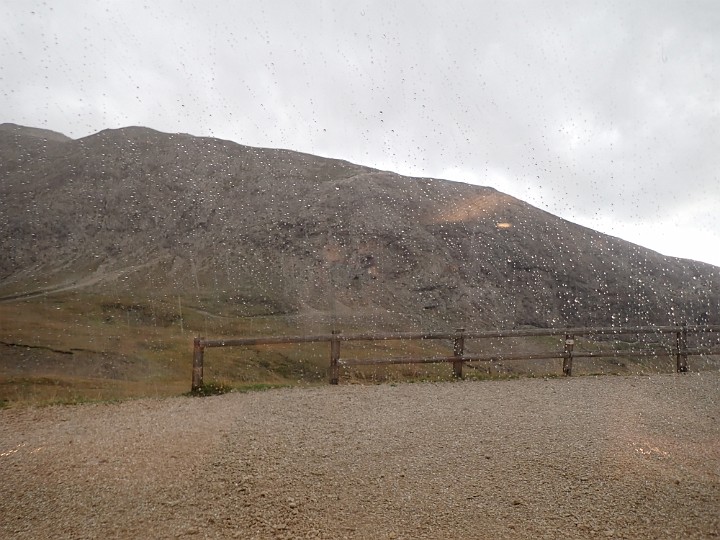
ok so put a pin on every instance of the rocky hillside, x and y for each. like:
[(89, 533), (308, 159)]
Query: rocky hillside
[(245, 231)]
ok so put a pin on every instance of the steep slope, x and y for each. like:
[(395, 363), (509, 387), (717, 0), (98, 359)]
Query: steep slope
[(245, 231)]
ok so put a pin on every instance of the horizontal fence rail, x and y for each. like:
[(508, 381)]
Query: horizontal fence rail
[(680, 348)]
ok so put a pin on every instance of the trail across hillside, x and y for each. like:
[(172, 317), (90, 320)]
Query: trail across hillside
[(99, 275), (606, 457)]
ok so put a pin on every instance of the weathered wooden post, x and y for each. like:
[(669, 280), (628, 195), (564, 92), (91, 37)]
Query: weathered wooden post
[(458, 351), (334, 358), (197, 372), (681, 340), (568, 358)]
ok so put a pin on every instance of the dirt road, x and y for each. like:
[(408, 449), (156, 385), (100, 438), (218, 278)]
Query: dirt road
[(605, 457)]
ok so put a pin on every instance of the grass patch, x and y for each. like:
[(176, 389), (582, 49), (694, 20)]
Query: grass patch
[(218, 388), (210, 389)]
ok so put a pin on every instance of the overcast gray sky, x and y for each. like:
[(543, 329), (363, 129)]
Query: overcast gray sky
[(606, 113)]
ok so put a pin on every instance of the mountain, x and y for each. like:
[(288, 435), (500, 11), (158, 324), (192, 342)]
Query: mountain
[(242, 231), (37, 133)]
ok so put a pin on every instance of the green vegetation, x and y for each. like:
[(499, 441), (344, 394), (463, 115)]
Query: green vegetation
[(211, 389), (219, 388)]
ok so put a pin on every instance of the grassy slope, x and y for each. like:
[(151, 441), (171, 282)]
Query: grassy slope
[(74, 346)]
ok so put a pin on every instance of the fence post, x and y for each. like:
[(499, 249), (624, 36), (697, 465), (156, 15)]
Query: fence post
[(568, 358), (458, 351), (197, 371), (681, 341), (334, 358)]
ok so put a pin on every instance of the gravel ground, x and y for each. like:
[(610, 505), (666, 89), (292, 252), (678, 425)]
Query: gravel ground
[(606, 457)]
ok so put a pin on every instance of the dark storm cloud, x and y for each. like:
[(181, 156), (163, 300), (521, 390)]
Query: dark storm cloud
[(606, 113)]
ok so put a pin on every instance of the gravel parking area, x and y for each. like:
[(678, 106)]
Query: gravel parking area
[(584, 457)]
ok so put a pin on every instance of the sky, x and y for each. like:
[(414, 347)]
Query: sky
[(606, 113)]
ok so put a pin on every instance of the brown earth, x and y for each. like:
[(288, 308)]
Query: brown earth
[(606, 457), (244, 232)]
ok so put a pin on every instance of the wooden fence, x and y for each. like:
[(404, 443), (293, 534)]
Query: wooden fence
[(679, 348)]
